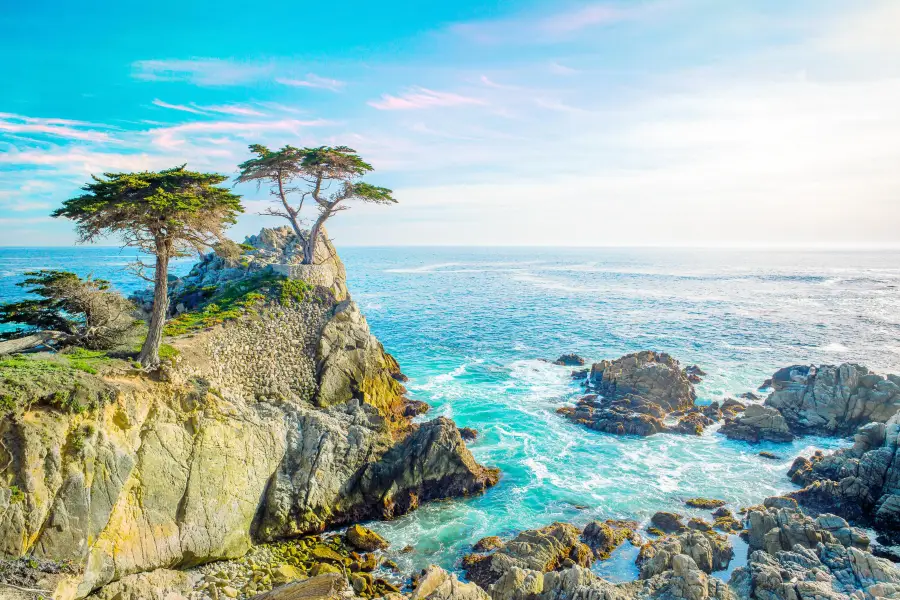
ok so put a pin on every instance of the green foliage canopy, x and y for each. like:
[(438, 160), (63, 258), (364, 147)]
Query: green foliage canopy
[(181, 207)]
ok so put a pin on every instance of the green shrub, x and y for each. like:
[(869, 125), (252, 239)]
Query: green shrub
[(168, 352), (295, 290), (234, 299), (52, 380), (17, 495)]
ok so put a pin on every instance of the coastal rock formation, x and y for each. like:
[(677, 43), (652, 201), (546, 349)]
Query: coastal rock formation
[(605, 536), (708, 550), (437, 584), (861, 483), (540, 567), (794, 557), (286, 418), (833, 400), (634, 394), (654, 376), (758, 423), (824, 400), (541, 550), (569, 360)]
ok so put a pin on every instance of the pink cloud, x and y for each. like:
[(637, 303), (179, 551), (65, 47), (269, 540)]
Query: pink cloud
[(419, 97)]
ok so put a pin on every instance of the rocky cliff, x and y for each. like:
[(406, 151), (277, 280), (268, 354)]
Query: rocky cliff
[(277, 414)]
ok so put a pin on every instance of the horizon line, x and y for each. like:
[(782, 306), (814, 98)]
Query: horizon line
[(820, 247)]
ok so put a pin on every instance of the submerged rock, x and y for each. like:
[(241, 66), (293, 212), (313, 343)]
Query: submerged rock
[(569, 360), (705, 502), (694, 373), (468, 434)]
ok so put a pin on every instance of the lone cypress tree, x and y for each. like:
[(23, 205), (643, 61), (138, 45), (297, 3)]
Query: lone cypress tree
[(331, 177), (165, 213)]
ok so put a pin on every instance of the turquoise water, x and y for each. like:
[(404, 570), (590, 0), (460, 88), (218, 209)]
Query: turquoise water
[(469, 327)]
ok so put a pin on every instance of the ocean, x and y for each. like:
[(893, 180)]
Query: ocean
[(470, 327)]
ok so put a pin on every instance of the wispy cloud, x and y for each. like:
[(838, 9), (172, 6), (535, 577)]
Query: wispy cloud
[(561, 69), (181, 107), (419, 97), (225, 109), (234, 109), (201, 71), (313, 81), (178, 135), (62, 128)]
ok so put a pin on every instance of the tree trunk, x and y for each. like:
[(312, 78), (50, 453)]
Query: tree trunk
[(149, 355), (309, 250), (33, 341)]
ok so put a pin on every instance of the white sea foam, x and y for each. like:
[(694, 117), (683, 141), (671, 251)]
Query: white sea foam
[(834, 347)]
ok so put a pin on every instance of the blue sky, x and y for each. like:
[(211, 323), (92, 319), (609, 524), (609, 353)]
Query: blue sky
[(653, 122)]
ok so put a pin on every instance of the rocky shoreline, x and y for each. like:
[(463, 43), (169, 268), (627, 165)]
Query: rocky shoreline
[(278, 415), (243, 467)]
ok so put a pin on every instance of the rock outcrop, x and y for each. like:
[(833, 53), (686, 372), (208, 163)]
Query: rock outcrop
[(437, 584), (824, 400), (861, 483), (605, 536), (285, 419), (634, 394), (794, 557), (541, 550), (539, 565), (708, 550), (758, 423), (833, 400)]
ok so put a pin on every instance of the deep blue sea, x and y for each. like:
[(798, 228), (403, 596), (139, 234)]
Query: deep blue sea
[(470, 325)]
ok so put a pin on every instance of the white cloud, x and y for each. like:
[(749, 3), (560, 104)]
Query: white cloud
[(178, 135), (313, 81), (181, 107), (419, 97), (225, 109), (61, 128), (201, 71)]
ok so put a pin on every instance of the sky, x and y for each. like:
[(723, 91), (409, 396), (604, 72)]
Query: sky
[(496, 122)]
